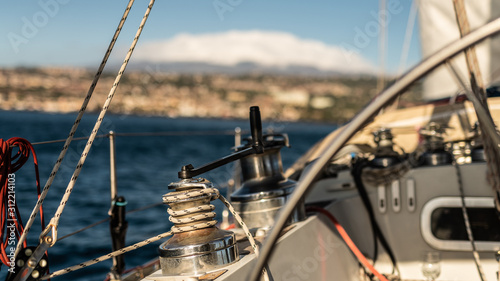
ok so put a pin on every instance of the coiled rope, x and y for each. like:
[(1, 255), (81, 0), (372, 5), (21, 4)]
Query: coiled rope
[(201, 214), (11, 224), (73, 129), (194, 218)]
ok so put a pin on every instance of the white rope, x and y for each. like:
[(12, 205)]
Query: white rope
[(59, 160), (108, 256), (489, 136), (253, 244), (181, 195), (475, 254), (176, 196), (55, 220), (201, 215)]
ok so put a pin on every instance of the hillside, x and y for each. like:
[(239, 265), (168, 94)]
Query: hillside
[(291, 98)]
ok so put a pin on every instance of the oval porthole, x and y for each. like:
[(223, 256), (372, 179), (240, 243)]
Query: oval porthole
[(443, 226)]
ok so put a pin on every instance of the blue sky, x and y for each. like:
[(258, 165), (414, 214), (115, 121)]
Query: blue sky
[(76, 33)]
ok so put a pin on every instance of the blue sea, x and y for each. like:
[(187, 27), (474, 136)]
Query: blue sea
[(145, 167)]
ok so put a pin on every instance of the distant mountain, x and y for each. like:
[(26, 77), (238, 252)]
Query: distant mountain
[(238, 69), (254, 51)]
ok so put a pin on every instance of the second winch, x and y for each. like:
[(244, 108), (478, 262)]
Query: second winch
[(264, 188)]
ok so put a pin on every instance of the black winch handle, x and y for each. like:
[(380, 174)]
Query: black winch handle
[(188, 171), (256, 129)]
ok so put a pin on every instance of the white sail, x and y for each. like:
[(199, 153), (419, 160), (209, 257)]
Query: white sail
[(438, 27)]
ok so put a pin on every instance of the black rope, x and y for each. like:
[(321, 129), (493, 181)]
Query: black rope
[(356, 172), (357, 169)]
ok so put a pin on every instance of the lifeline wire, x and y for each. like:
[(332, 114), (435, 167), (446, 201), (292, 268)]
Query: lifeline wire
[(107, 219), (73, 130), (55, 220), (158, 134), (175, 229)]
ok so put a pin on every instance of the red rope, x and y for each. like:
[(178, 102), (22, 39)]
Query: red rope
[(11, 224), (361, 258)]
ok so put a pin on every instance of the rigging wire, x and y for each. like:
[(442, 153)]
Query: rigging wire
[(63, 140), (150, 134), (465, 215), (490, 137), (11, 224), (107, 219), (51, 229), (181, 133), (55, 219), (73, 128)]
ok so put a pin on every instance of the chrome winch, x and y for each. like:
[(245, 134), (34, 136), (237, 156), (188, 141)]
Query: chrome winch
[(197, 246), (477, 153), (385, 156), (264, 188), (435, 153)]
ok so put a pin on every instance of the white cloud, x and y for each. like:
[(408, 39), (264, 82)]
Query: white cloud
[(267, 48)]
